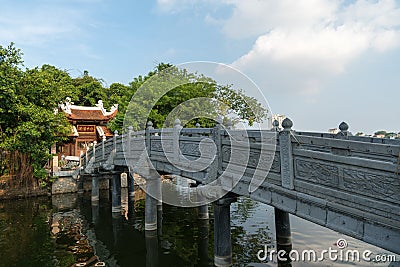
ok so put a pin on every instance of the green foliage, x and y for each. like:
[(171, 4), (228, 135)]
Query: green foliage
[(387, 134), (380, 132), (88, 90), (29, 124), (198, 98), (29, 99)]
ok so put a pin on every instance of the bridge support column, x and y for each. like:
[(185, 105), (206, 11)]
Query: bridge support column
[(151, 249), (131, 197), (283, 234), (131, 186), (159, 220), (150, 213), (116, 227), (202, 212), (203, 242), (222, 232), (95, 189), (80, 185), (95, 212), (159, 193), (116, 192)]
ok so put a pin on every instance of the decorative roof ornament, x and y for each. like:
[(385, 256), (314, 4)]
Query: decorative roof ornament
[(67, 106), (112, 109), (88, 113)]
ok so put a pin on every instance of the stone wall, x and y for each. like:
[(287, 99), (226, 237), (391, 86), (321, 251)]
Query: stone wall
[(64, 185), (103, 184)]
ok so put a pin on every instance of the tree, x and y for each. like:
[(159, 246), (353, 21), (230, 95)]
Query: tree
[(29, 124), (381, 132), (167, 87), (88, 90)]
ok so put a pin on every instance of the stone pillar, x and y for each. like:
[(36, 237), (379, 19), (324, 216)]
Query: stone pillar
[(116, 192), (150, 212), (286, 154), (202, 212), (95, 189), (151, 249), (95, 212), (222, 232), (159, 193), (159, 219), (283, 234), (131, 198), (116, 226), (131, 186), (203, 243)]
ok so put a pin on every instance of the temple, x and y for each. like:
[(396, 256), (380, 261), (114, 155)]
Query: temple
[(88, 125)]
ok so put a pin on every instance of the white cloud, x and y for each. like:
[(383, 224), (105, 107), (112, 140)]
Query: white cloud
[(252, 17), (312, 40)]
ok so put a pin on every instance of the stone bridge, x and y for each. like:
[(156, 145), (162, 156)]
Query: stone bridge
[(346, 183)]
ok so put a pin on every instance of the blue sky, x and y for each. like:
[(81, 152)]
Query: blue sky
[(317, 61)]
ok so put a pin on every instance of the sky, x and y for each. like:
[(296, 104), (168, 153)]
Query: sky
[(319, 62)]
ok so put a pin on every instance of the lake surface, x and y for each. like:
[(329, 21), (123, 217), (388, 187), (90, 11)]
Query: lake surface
[(67, 230)]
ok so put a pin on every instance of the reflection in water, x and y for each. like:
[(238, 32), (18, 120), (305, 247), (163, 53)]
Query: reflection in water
[(71, 230), (151, 248)]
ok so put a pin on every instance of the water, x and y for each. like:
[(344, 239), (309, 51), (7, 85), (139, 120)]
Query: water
[(67, 231)]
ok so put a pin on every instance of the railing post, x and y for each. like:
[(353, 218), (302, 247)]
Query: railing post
[(94, 149), (80, 158), (343, 127), (103, 156), (148, 136), (129, 147), (86, 156), (175, 139), (216, 166), (275, 125), (115, 140), (285, 146)]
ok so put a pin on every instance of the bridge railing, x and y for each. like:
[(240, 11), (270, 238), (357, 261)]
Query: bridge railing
[(361, 174), (347, 183)]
